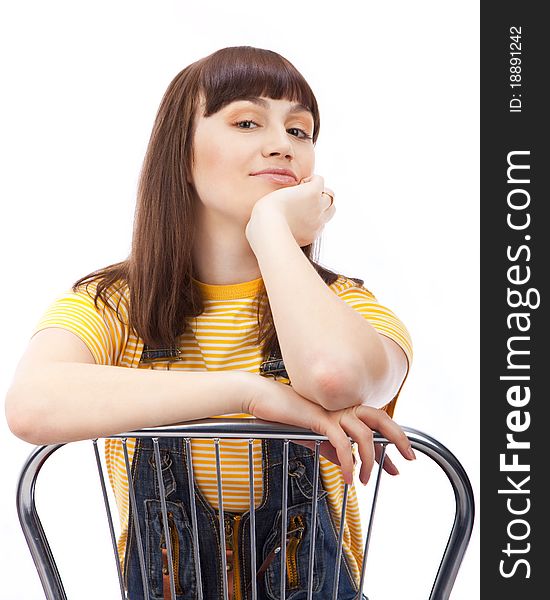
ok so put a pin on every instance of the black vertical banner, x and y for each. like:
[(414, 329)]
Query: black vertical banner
[(515, 259)]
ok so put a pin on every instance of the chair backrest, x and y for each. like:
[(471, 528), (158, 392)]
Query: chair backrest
[(251, 429)]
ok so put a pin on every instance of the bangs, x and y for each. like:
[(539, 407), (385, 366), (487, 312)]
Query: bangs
[(241, 72)]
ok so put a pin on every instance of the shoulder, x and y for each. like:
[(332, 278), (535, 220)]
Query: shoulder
[(107, 301), (117, 291), (380, 316), (345, 286), (101, 322)]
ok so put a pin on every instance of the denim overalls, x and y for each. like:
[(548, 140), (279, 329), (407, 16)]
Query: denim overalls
[(268, 530)]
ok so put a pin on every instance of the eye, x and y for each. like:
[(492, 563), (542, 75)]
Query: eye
[(245, 121), (305, 135)]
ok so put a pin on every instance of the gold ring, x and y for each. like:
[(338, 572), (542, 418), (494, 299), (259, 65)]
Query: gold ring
[(330, 196)]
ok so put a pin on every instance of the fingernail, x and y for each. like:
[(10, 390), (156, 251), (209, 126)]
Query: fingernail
[(411, 454)]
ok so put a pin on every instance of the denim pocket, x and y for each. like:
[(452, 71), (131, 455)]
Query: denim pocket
[(168, 478), (183, 559), (297, 470), (297, 554)]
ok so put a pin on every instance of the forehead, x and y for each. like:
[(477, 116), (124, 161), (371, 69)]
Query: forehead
[(266, 103), (290, 107)]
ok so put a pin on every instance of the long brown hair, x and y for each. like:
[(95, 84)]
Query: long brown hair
[(158, 273)]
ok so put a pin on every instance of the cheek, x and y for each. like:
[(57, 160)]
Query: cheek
[(310, 161), (210, 160), (305, 158), (218, 179), (212, 172)]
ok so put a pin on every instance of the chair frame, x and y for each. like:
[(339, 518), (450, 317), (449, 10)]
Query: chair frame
[(250, 429)]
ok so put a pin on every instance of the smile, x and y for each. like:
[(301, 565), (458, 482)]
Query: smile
[(277, 178)]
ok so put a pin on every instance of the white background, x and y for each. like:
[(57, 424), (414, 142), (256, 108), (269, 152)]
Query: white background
[(398, 89)]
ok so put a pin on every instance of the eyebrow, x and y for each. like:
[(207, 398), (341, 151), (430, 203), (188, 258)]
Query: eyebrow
[(294, 108)]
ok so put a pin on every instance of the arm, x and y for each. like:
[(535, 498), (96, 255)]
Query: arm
[(59, 394), (332, 354)]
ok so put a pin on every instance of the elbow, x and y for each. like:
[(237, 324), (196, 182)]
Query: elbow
[(335, 391), (25, 420), (343, 388)]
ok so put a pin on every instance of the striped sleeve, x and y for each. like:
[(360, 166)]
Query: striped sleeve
[(381, 318), (99, 329)]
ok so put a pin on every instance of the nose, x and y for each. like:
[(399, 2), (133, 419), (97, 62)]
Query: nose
[(278, 143)]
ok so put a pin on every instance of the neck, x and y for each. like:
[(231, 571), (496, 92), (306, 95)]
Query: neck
[(224, 257)]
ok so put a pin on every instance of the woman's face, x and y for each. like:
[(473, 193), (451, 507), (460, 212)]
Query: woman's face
[(244, 137)]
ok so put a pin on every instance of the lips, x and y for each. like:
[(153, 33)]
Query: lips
[(277, 175)]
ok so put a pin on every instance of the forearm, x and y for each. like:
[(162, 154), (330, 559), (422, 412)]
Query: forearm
[(333, 356), (65, 401)]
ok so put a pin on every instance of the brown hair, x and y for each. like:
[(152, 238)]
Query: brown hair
[(159, 270)]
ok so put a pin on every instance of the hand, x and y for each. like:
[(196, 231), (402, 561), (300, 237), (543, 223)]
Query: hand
[(328, 451), (279, 402), (303, 206)]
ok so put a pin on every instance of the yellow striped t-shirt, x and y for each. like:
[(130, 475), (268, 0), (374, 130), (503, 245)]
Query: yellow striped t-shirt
[(223, 337)]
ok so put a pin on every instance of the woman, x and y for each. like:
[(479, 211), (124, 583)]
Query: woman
[(221, 285)]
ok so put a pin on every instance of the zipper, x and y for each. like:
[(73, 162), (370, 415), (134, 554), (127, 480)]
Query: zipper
[(297, 527), (293, 542), (237, 593), (175, 542), (232, 540)]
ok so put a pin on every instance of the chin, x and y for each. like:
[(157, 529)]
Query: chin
[(277, 184)]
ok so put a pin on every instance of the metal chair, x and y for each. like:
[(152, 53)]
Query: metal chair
[(248, 429)]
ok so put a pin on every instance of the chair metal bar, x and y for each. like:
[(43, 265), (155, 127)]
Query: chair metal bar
[(221, 520), (251, 429), (32, 527), (464, 514), (191, 481), (252, 519), (109, 518), (314, 520), (165, 525), (340, 539), (371, 516), (284, 517), (137, 528)]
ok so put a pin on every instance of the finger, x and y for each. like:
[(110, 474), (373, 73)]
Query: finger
[(328, 213), (317, 183), (318, 180), (326, 449), (326, 197), (306, 443), (329, 191), (329, 452), (388, 465), (364, 437), (380, 421), (342, 445)]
